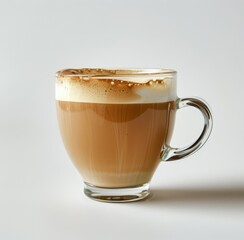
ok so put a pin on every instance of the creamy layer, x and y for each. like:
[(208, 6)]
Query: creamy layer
[(114, 89)]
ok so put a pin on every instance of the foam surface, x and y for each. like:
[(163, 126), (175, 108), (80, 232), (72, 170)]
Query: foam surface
[(127, 89)]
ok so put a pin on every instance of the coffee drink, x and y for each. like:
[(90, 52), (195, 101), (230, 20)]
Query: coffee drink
[(114, 128)]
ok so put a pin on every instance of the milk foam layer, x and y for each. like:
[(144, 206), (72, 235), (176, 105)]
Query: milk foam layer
[(115, 89)]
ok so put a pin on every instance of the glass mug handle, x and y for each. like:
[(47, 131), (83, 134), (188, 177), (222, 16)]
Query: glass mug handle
[(171, 154)]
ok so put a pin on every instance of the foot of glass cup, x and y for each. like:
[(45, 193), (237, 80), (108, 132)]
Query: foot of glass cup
[(118, 195)]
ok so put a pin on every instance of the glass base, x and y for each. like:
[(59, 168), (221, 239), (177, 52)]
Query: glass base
[(120, 195)]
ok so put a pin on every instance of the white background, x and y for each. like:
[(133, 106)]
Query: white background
[(201, 197)]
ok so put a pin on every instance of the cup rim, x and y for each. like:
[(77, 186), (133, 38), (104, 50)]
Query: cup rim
[(114, 72)]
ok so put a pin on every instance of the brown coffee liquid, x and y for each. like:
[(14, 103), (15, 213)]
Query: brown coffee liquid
[(116, 145)]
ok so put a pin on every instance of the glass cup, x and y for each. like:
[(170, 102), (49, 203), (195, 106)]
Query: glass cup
[(116, 125)]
